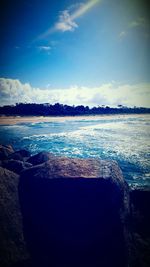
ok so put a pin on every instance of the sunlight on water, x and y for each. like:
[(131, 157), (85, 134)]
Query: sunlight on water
[(125, 139)]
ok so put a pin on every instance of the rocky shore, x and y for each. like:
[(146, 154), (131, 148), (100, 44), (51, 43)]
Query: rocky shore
[(62, 212)]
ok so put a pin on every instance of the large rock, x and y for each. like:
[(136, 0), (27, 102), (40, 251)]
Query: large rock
[(12, 246), (15, 165), (75, 213), (5, 151), (40, 158)]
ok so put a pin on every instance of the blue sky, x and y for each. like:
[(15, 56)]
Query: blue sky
[(75, 48)]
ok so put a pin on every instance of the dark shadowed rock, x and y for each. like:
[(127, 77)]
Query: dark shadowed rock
[(16, 156), (12, 246), (140, 223), (140, 201), (21, 155), (40, 158), (75, 213), (15, 165), (5, 151), (24, 153)]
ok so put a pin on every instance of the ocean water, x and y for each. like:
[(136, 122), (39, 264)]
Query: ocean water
[(124, 138)]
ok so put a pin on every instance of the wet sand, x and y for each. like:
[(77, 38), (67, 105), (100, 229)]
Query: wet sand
[(11, 120)]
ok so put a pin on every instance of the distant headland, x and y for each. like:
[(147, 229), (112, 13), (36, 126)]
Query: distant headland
[(57, 109)]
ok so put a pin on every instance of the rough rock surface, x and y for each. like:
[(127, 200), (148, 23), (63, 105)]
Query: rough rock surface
[(40, 158), (12, 246), (75, 212), (5, 151)]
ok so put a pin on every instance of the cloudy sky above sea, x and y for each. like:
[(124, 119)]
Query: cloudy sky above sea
[(90, 52)]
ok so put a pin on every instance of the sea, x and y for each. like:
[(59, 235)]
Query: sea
[(124, 138)]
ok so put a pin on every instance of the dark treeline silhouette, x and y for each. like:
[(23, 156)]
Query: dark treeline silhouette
[(57, 109)]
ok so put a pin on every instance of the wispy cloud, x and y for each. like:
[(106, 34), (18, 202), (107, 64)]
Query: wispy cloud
[(139, 22), (44, 48), (122, 35), (112, 94), (17, 47), (67, 18)]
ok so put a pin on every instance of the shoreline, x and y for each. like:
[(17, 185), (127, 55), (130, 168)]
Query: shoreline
[(12, 120)]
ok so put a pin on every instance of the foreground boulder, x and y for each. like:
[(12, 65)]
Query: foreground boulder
[(5, 151), (40, 158), (75, 213), (12, 246)]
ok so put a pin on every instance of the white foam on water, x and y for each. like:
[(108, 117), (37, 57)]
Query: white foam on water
[(126, 139)]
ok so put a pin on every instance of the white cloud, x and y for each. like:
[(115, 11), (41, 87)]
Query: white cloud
[(67, 18), (65, 22), (44, 48), (112, 94)]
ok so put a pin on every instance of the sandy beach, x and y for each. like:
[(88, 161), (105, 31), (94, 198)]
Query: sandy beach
[(11, 120)]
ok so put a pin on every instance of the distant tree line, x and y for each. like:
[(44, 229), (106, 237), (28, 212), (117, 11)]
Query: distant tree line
[(25, 109)]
